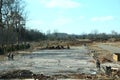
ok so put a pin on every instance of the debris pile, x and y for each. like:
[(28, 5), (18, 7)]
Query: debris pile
[(104, 60), (16, 74), (83, 76), (23, 74)]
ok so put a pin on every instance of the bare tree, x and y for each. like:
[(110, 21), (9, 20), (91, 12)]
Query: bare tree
[(15, 20), (1, 24), (12, 20)]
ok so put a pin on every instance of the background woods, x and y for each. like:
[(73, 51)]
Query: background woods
[(12, 26), (14, 34)]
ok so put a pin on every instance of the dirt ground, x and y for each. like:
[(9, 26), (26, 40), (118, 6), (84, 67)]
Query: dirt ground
[(104, 56)]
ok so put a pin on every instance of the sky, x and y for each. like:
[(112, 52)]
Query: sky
[(73, 16)]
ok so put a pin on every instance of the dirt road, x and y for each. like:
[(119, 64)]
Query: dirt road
[(109, 48)]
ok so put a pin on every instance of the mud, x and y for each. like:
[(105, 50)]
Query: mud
[(74, 63), (51, 62)]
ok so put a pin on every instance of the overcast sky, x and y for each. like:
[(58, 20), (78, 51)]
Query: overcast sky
[(74, 16)]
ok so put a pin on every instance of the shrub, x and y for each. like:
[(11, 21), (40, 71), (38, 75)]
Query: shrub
[(13, 48), (1, 51)]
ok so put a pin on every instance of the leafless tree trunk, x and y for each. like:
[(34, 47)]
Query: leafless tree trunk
[(1, 25), (12, 18)]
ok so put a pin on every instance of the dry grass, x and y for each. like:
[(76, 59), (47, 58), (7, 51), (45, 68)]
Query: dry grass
[(2, 57), (102, 55), (116, 44)]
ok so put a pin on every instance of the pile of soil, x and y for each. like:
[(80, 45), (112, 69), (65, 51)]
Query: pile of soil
[(83, 76), (23, 74), (104, 60), (16, 74), (26, 74)]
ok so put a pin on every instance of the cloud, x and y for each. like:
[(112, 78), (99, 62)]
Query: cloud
[(81, 17), (35, 23), (105, 18), (61, 21), (60, 3), (38, 22)]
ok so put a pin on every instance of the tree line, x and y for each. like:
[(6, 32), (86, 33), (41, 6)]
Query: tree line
[(14, 34), (12, 26), (12, 23), (100, 37), (94, 36)]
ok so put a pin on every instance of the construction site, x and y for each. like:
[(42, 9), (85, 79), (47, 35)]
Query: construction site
[(75, 62)]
